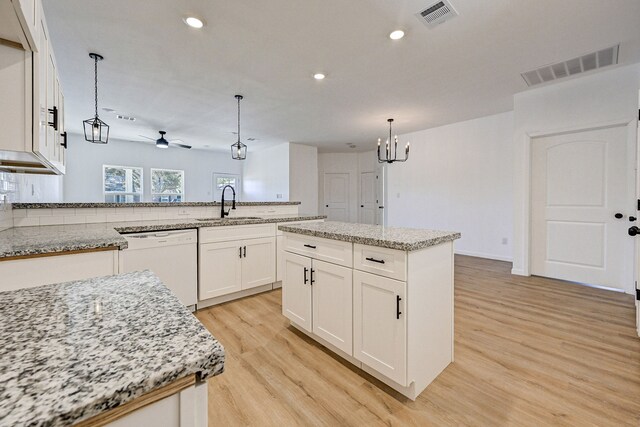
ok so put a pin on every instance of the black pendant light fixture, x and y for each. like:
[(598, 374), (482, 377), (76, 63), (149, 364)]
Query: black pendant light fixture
[(95, 130), (238, 150), (392, 145)]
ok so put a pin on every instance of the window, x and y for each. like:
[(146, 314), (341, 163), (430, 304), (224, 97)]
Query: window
[(167, 185), (222, 179), (122, 184)]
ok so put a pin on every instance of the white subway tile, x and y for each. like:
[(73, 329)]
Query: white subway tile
[(86, 211), (75, 219), (63, 211), (92, 219), (152, 216), (19, 213), (51, 220), (33, 213), (116, 218), (26, 222)]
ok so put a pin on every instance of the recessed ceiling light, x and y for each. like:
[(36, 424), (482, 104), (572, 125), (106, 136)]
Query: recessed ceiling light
[(396, 35), (319, 76), (194, 22)]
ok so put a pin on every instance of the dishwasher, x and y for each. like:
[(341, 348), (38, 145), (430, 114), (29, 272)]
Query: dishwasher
[(171, 255)]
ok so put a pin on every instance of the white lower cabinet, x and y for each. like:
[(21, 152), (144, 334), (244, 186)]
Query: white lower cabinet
[(317, 296), (380, 324), (233, 266)]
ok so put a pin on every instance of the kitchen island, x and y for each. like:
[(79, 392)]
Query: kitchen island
[(380, 297), (104, 349)]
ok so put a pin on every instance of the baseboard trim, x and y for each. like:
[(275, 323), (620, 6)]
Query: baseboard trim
[(518, 272), (484, 255), (236, 295)]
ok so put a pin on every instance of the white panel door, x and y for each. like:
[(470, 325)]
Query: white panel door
[(296, 290), (368, 205), (578, 184), (258, 262), (333, 304), (380, 324), (336, 196), (219, 269)]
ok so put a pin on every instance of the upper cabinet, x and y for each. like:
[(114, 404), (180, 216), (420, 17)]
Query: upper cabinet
[(32, 112)]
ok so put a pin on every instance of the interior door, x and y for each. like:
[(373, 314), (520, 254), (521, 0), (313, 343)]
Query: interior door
[(380, 325), (333, 304), (580, 207), (296, 290), (367, 213), (219, 269), (258, 262), (336, 196), (380, 194)]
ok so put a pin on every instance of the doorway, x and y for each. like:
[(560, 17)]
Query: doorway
[(582, 202), (336, 196)]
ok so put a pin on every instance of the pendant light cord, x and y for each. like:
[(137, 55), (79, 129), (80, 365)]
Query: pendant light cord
[(239, 98), (96, 84)]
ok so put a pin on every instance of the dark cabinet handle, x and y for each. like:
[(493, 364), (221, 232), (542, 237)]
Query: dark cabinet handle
[(240, 250), (309, 246), (327, 205), (632, 219), (64, 140), (305, 275), (379, 261), (398, 312), (245, 251), (362, 206), (54, 112), (312, 279), (634, 231)]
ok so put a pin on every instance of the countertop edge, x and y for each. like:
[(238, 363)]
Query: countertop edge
[(80, 205)]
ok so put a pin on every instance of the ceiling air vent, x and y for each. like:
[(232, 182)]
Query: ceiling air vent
[(128, 118), (437, 13), (581, 64)]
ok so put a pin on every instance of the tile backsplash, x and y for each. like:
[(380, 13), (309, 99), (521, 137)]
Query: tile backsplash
[(6, 213)]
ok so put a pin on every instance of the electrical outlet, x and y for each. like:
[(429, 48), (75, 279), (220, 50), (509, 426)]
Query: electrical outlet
[(183, 212), (278, 196), (505, 241)]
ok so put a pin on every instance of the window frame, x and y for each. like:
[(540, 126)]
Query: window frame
[(122, 193), (182, 195), (217, 193)]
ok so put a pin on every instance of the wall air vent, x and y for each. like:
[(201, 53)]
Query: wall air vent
[(437, 13), (581, 64)]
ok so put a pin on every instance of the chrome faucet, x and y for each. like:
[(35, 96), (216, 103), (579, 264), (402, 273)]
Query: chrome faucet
[(233, 206)]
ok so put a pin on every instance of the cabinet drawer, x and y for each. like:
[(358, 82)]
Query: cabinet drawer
[(382, 261), (328, 250), (227, 233)]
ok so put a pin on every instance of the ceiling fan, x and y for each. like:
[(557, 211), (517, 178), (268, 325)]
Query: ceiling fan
[(164, 143)]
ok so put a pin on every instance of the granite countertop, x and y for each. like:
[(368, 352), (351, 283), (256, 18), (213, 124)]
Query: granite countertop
[(404, 239), (25, 241), (71, 351), (81, 205)]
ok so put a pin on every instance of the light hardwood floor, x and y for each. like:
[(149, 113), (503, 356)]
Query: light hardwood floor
[(529, 351)]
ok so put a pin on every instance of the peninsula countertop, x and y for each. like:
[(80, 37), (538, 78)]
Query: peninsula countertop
[(70, 351), (405, 239), (27, 241)]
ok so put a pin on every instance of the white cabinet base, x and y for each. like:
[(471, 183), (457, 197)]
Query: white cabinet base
[(235, 295)]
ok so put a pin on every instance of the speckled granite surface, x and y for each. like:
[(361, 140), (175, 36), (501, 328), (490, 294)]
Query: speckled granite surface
[(139, 205), (73, 350), (405, 239), (23, 241)]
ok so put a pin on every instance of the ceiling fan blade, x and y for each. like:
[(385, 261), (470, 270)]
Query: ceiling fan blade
[(188, 147), (146, 137)]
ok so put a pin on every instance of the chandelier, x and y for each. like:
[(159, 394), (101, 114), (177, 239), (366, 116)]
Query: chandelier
[(391, 149)]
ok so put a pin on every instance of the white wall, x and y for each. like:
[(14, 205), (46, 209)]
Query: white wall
[(597, 99), (265, 174), (83, 181), (458, 177), (303, 177)]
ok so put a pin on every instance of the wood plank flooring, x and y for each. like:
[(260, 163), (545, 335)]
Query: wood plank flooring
[(529, 351)]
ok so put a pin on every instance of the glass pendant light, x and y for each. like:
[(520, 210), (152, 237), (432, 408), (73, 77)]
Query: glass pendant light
[(389, 156), (95, 130), (238, 150)]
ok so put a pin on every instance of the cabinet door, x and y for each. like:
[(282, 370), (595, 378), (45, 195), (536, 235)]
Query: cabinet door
[(380, 324), (296, 290), (333, 304), (49, 152), (279, 258), (62, 157), (40, 64), (258, 262), (219, 269)]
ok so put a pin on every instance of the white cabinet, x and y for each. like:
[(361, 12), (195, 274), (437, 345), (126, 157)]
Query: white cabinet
[(33, 125), (317, 296), (233, 266), (279, 258), (380, 324), (220, 269)]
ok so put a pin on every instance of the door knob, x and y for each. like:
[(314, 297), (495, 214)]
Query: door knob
[(632, 219), (634, 230), (619, 215)]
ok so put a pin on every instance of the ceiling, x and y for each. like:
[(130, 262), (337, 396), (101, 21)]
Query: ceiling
[(175, 78)]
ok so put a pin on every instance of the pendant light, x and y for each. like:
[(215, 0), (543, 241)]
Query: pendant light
[(95, 130), (389, 156), (238, 150)]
